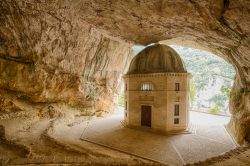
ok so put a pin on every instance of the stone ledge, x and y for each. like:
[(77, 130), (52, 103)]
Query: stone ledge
[(157, 75)]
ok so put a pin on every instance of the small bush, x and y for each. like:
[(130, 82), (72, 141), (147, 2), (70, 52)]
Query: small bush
[(121, 101), (214, 110)]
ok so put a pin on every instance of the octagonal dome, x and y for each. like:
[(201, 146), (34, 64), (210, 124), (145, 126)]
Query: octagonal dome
[(157, 58)]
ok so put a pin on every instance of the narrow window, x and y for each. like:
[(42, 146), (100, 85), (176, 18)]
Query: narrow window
[(176, 120), (126, 87), (176, 110), (177, 99), (125, 105), (177, 86), (147, 87)]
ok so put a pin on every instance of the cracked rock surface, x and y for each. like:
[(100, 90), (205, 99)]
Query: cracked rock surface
[(48, 55)]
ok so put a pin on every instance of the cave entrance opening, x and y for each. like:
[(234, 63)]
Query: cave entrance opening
[(211, 83)]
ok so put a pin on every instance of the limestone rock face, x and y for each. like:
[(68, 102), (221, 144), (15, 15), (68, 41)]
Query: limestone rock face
[(2, 132), (51, 56), (75, 51)]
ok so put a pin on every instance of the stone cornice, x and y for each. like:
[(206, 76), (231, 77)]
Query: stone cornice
[(156, 75)]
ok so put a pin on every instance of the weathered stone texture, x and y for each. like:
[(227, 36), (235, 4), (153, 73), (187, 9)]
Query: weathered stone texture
[(48, 55), (75, 51)]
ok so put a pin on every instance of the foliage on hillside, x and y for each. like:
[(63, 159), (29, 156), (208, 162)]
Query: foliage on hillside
[(205, 66), (207, 69)]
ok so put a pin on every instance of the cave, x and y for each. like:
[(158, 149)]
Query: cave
[(71, 55)]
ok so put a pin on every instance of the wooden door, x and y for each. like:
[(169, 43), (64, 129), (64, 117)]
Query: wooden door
[(146, 115)]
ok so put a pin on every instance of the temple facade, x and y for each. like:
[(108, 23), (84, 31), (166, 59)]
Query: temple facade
[(157, 90)]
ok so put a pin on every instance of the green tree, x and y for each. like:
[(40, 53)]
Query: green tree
[(221, 99), (225, 90), (121, 101)]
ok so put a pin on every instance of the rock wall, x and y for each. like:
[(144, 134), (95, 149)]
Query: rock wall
[(74, 51), (240, 106), (47, 55)]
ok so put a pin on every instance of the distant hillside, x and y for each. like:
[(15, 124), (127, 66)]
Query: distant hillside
[(205, 66)]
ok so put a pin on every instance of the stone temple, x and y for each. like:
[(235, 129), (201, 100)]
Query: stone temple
[(157, 90)]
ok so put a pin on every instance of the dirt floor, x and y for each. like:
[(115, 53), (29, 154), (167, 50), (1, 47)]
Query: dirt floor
[(43, 135)]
